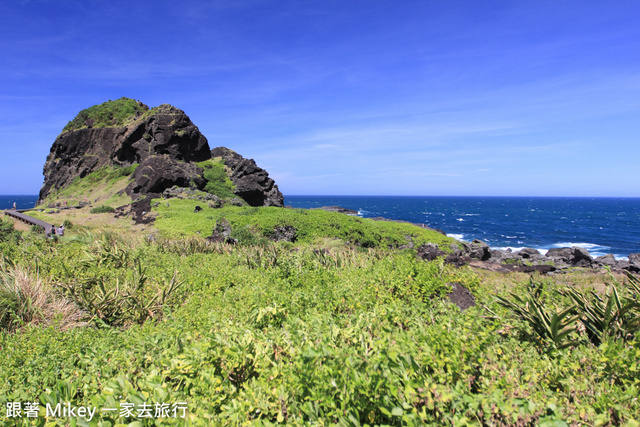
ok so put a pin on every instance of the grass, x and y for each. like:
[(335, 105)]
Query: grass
[(26, 298), (106, 184), (107, 114), (218, 181), (178, 219), (316, 332)]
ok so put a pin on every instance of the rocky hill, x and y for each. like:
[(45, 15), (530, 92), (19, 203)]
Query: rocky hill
[(162, 142)]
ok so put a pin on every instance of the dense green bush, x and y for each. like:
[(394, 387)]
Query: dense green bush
[(8, 233), (102, 209)]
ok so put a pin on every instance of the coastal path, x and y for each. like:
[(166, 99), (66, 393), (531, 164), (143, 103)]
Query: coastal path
[(28, 219)]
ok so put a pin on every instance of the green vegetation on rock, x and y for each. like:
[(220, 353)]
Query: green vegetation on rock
[(218, 181), (107, 114), (107, 183)]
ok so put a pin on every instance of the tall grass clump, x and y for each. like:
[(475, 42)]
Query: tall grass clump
[(25, 299)]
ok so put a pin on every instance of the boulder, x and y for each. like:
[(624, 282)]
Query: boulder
[(527, 253), (581, 257), (575, 256), (461, 296), (252, 183), (221, 232), (158, 173), (560, 255), (477, 250), (429, 252), (634, 259), (608, 260), (285, 233)]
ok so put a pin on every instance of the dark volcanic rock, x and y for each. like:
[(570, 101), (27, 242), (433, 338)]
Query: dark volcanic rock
[(461, 296), (562, 255), (429, 252), (285, 233), (164, 130), (608, 260), (477, 250), (634, 259), (542, 269), (252, 183), (581, 257), (527, 253), (221, 232), (158, 173), (574, 256)]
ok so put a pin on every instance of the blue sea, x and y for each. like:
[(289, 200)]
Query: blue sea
[(600, 225)]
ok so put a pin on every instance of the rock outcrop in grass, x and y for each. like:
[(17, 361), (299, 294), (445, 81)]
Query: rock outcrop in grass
[(162, 141)]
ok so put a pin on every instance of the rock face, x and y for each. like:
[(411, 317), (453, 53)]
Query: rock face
[(159, 172), (162, 141), (162, 131), (252, 183)]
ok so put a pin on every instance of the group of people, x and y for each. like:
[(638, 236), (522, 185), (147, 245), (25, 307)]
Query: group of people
[(53, 231)]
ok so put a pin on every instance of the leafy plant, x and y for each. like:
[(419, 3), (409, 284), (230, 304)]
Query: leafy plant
[(120, 303), (616, 314), (549, 324)]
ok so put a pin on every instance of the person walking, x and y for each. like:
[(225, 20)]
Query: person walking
[(14, 206)]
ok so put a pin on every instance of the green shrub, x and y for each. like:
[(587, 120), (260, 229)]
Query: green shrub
[(615, 315), (8, 233), (102, 209), (550, 325), (36, 229)]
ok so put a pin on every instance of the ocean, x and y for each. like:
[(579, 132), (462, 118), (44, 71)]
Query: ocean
[(600, 225)]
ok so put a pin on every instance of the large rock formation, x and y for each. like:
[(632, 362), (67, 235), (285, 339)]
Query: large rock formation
[(164, 130), (252, 183), (162, 140)]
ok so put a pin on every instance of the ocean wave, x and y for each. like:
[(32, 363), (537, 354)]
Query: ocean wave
[(459, 219), (456, 236), (587, 246), (519, 248)]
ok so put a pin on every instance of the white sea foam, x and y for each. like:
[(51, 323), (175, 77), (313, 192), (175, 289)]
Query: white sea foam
[(519, 248), (456, 236), (460, 219), (587, 246)]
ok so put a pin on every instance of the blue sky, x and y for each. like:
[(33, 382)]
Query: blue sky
[(526, 98)]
